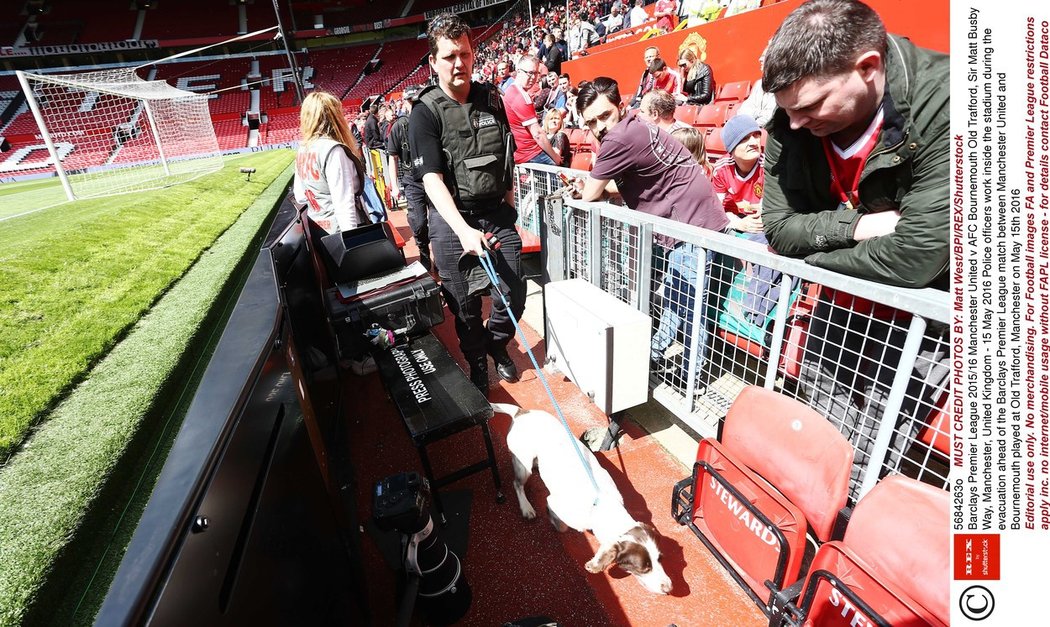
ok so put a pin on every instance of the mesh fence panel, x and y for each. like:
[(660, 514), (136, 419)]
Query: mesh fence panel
[(723, 319)]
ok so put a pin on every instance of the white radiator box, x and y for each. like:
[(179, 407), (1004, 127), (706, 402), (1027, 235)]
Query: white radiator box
[(599, 342)]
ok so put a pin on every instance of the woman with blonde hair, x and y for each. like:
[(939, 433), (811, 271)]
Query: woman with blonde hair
[(693, 141), (328, 171), (698, 81), (553, 122)]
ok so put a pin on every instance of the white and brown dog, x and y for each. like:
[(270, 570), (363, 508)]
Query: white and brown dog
[(538, 438)]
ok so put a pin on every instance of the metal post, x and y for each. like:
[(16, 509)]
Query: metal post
[(34, 106), (779, 326), (156, 137), (594, 252), (645, 268), (699, 307), (288, 52), (891, 411)]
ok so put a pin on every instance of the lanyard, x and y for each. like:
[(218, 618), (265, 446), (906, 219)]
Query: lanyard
[(848, 198)]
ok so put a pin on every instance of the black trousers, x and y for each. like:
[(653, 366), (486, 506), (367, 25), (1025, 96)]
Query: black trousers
[(851, 361), (475, 337), (417, 216)]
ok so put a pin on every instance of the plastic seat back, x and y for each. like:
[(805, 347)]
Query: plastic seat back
[(734, 92), (893, 563), (937, 432), (713, 115), (900, 529), (750, 526), (794, 448)]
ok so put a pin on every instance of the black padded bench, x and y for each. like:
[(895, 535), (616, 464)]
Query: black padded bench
[(436, 400)]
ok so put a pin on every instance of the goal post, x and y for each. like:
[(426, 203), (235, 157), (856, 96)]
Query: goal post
[(111, 132)]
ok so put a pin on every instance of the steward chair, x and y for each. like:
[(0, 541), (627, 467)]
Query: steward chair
[(890, 568), (778, 468)]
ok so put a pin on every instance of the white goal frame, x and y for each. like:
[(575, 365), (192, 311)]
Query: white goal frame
[(127, 134)]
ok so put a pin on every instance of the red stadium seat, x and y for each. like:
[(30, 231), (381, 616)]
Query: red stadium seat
[(734, 92), (582, 160), (779, 466), (937, 432), (686, 114), (713, 143), (713, 115), (892, 565)]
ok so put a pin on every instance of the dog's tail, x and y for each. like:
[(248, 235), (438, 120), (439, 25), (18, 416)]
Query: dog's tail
[(506, 408)]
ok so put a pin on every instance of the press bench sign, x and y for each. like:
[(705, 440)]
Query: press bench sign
[(413, 366)]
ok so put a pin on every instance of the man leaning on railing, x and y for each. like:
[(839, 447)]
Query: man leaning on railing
[(655, 174), (869, 113)]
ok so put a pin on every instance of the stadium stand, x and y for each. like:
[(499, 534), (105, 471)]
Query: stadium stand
[(278, 89), (69, 21), (336, 70), (181, 20), (210, 76), (282, 128), (231, 134), (397, 59)]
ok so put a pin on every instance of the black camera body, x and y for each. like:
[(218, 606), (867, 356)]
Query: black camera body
[(400, 503)]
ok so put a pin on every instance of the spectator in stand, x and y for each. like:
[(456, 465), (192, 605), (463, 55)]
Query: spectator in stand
[(559, 40), (759, 104), (666, 12), (503, 76), (571, 117), (553, 122), (665, 78), (373, 137), (658, 108), (531, 144), (739, 181), (558, 97), (614, 22), (699, 85), (692, 12), (645, 83), (740, 6), (711, 10), (693, 141), (553, 57), (386, 116), (403, 179), (856, 166), (656, 175), (638, 15)]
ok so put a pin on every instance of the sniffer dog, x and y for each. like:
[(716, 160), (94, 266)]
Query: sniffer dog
[(538, 438)]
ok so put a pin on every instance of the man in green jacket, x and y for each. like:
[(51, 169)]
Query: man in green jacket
[(857, 182)]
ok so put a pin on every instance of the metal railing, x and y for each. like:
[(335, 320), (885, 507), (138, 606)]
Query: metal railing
[(871, 358)]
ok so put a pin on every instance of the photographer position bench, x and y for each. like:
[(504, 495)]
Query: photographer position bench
[(436, 400)]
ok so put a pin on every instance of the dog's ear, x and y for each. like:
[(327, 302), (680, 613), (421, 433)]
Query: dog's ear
[(635, 559), (606, 555)]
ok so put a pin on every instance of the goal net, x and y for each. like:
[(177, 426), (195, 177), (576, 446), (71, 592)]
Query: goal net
[(111, 132)]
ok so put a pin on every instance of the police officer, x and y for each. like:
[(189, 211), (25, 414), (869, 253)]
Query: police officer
[(403, 181), (463, 155)]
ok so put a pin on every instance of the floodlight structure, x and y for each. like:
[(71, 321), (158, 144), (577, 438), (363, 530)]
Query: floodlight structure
[(111, 132)]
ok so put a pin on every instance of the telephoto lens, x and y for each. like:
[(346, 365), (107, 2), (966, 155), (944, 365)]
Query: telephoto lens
[(401, 503)]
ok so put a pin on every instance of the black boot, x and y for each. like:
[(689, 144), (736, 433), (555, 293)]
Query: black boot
[(479, 373), (505, 367)]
